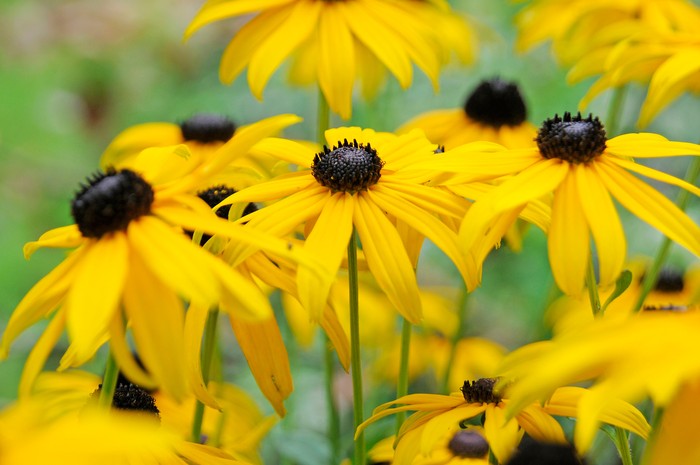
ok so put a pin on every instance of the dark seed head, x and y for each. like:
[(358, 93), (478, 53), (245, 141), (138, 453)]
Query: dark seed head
[(480, 391), (110, 201), (496, 103), (669, 280), (130, 397), (349, 167), (468, 444), (571, 138), (213, 197), (531, 452), (207, 128)]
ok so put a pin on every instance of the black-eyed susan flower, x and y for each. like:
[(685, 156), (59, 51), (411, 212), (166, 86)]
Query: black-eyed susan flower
[(362, 180), (627, 359), (435, 415), (132, 262), (584, 170), (336, 42), (494, 111)]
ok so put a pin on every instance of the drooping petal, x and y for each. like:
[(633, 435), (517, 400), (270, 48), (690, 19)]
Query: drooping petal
[(263, 347), (157, 318), (215, 10), (284, 149), (650, 206), (604, 223), (540, 425), (503, 435), (65, 237), (40, 353), (195, 322), (95, 293), (123, 356), (654, 174), (388, 262)]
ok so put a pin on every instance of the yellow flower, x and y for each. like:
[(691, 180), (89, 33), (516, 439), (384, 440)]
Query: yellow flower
[(436, 415), (133, 262), (668, 62), (72, 395), (574, 161), (494, 111), (366, 183), (337, 42), (650, 354)]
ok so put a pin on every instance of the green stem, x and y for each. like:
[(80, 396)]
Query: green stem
[(592, 286), (323, 118), (207, 357), (612, 122), (355, 361), (459, 334), (402, 383), (623, 446), (652, 274), (333, 414), (109, 382)]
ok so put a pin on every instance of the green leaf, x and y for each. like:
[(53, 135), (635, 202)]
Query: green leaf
[(621, 285)]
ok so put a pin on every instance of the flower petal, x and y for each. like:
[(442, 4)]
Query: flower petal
[(66, 236), (503, 436), (40, 353), (336, 64), (216, 10)]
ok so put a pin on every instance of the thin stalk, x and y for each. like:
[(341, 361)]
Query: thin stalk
[(612, 123), (207, 357), (652, 273), (109, 382), (592, 286), (355, 361), (459, 334), (333, 414), (323, 118), (623, 446), (402, 382)]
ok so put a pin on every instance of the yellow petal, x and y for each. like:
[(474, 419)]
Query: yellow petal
[(654, 174), (284, 149), (604, 222), (195, 322), (40, 353), (387, 260), (568, 241), (156, 314), (328, 241), (647, 145), (216, 10), (336, 65), (67, 236), (136, 138), (540, 425), (263, 347), (96, 292), (503, 436), (438, 427), (124, 358)]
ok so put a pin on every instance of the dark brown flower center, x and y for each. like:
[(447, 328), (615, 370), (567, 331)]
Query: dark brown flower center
[(468, 444), (571, 138), (669, 280), (130, 397), (110, 201), (496, 103), (480, 391), (213, 197), (350, 167), (207, 128)]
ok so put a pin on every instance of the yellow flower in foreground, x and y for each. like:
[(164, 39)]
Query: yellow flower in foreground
[(133, 262), (584, 170), (337, 42), (366, 183), (650, 354), (461, 447), (436, 415), (494, 111)]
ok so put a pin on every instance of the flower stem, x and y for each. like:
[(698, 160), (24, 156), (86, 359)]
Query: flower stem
[(109, 382), (612, 122), (459, 334), (623, 446), (592, 286), (402, 383), (355, 361), (333, 414), (652, 274), (207, 357), (323, 118)]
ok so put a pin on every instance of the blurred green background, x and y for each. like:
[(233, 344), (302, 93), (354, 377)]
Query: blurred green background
[(74, 73)]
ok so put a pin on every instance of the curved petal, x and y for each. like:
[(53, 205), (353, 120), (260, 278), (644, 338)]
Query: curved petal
[(40, 353), (216, 10), (123, 356), (387, 260), (604, 222), (568, 241), (654, 174), (95, 293), (439, 426), (540, 425), (263, 347), (648, 145), (66, 236), (503, 435), (284, 149), (195, 322), (328, 242)]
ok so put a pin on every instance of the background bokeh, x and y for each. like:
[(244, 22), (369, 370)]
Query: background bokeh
[(74, 73)]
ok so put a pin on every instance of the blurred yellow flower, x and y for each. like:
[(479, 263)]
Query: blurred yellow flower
[(338, 42)]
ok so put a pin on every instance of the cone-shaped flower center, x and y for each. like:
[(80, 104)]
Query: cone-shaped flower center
[(571, 138), (468, 444), (110, 201), (496, 103), (480, 391), (207, 128), (669, 280), (349, 167), (128, 396)]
